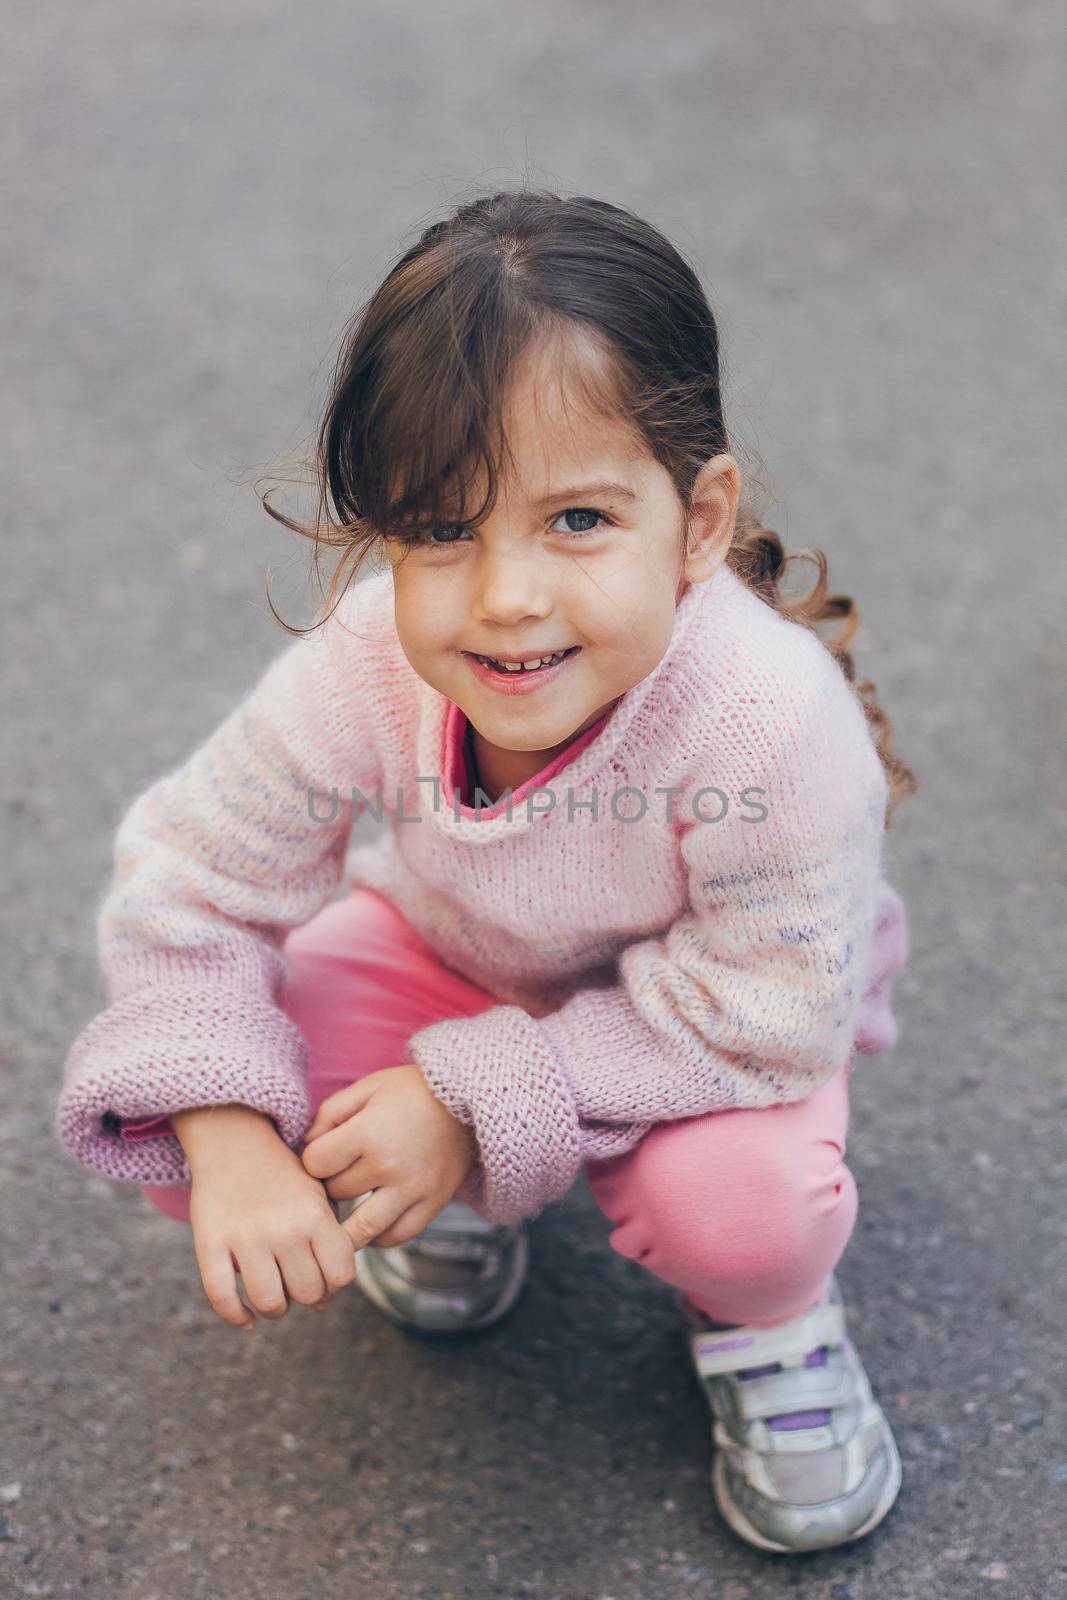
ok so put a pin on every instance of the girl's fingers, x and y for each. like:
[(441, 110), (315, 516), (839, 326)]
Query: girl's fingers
[(332, 1151), (263, 1283), (336, 1258), (217, 1272), (337, 1108), (407, 1225), (354, 1179), (301, 1274), (373, 1215)]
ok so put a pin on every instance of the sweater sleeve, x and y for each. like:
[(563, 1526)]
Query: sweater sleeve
[(213, 865), (749, 998)]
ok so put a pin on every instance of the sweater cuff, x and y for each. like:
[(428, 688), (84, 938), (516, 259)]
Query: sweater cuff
[(167, 1049), (495, 1073)]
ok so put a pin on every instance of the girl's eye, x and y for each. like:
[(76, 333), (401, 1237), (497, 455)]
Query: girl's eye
[(452, 532), (581, 511)]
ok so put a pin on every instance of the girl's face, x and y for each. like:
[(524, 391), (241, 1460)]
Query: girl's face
[(581, 553)]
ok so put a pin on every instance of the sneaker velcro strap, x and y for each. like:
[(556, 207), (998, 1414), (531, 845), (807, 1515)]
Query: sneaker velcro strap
[(796, 1389), (736, 1349)]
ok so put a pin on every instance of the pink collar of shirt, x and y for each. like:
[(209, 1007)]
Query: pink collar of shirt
[(459, 768)]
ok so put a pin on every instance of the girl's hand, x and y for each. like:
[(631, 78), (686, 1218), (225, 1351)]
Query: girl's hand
[(390, 1133), (255, 1210)]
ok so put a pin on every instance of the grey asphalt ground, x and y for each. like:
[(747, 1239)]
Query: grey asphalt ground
[(195, 198)]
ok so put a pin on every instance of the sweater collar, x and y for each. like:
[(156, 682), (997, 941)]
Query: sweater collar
[(442, 725)]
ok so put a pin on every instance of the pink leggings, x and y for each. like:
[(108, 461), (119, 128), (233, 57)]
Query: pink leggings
[(747, 1211)]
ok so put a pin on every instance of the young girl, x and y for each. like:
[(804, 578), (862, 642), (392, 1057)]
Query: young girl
[(626, 913)]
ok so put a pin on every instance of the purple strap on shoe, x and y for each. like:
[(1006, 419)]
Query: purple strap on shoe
[(788, 1421)]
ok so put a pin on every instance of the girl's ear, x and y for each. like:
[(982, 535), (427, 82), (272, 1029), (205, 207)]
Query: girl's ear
[(716, 493)]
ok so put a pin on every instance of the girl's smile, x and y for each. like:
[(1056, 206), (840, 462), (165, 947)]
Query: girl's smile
[(519, 679)]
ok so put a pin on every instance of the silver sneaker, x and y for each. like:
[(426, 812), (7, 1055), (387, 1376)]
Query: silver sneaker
[(804, 1457), (458, 1274)]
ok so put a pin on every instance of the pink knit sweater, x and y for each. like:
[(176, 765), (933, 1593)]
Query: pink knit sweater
[(683, 913)]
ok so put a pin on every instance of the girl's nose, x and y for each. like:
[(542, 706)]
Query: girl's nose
[(510, 590)]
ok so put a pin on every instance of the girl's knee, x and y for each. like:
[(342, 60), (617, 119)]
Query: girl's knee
[(704, 1162), (731, 1199)]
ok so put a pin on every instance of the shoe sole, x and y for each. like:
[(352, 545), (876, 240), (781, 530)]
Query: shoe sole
[(368, 1284), (740, 1524)]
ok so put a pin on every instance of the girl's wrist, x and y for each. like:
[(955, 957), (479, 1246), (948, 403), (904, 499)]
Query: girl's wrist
[(201, 1130)]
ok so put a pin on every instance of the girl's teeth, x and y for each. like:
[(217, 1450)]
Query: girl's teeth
[(528, 666)]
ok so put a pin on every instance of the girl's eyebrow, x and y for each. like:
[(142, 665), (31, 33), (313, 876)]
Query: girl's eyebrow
[(604, 488)]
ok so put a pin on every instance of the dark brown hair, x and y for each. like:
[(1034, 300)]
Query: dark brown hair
[(416, 404)]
